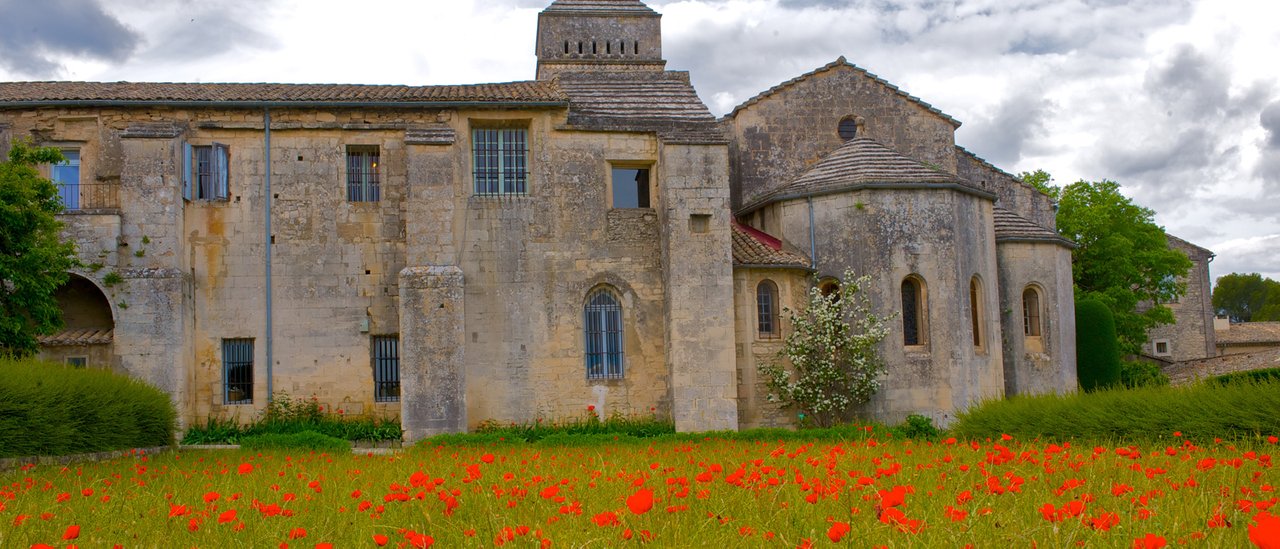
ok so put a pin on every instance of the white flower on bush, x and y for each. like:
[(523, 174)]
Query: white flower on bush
[(829, 362)]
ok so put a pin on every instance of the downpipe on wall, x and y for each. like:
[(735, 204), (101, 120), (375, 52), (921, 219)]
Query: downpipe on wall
[(266, 187)]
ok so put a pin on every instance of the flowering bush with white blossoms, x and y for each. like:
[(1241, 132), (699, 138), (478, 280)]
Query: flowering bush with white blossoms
[(829, 363)]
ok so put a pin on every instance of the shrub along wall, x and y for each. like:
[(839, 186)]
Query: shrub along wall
[(52, 410)]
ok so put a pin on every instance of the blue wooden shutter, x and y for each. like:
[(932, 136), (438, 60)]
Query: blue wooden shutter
[(186, 171)]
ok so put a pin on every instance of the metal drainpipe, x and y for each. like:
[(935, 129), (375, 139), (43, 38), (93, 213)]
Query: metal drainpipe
[(813, 245), (266, 137)]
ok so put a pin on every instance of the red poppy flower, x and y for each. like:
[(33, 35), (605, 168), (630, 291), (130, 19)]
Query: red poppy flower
[(837, 531), (227, 516), (1265, 530), (640, 502), (72, 532), (380, 540), (298, 533), (1149, 541)]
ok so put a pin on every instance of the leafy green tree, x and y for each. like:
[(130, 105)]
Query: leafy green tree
[(1123, 258), (830, 362), (33, 259), (1247, 297), (1097, 347)]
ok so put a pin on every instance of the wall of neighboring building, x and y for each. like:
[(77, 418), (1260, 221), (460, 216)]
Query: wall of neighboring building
[(945, 238), (1045, 363), (780, 135), (1191, 337)]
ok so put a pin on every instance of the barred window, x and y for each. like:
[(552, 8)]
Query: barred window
[(362, 174), (603, 329), (1031, 312), (386, 368), (237, 371), (767, 309), (500, 161)]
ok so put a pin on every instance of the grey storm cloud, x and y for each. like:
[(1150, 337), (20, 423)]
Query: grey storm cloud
[(1002, 137), (1190, 84), (34, 34), (207, 30), (1269, 163)]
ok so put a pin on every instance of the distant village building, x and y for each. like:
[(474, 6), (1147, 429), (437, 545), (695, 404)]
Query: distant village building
[(1191, 337), (511, 251)]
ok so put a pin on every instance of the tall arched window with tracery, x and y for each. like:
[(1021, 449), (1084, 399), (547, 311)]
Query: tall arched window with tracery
[(767, 310), (602, 328)]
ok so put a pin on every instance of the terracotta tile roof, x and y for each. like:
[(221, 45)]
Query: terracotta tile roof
[(1249, 333), (756, 248), (1011, 227), (1186, 372), (18, 93), (633, 6), (1175, 242), (84, 336), (860, 161), (839, 63), (663, 101)]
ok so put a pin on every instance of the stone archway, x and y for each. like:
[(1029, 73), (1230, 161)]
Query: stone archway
[(88, 332)]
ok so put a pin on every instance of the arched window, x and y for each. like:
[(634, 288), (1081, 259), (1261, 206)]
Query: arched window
[(767, 309), (602, 327), (830, 288), (913, 312), (1031, 312), (976, 312)]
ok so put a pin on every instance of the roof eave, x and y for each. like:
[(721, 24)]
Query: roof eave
[(281, 104), (1037, 240), (789, 266), (965, 189)]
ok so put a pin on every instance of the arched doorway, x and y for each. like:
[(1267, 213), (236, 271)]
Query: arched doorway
[(88, 327)]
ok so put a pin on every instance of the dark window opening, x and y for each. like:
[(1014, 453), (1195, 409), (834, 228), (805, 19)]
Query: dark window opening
[(500, 161), (1031, 312), (911, 312), (631, 187), (975, 312), (386, 368), (848, 129), (363, 183), (602, 328), (237, 371), (767, 309), (830, 289)]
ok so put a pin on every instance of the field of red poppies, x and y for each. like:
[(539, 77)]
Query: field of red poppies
[(667, 493)]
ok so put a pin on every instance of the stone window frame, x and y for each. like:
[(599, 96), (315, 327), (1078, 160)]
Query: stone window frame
[(508, 158), (1033, 318), (603, 331), (384, 360), (977, 314), (918, 315), (829, 286), (651, 187), (767, 308), (852, 124), (237, 353), (216, 188), (363, 177), (1168, 347)]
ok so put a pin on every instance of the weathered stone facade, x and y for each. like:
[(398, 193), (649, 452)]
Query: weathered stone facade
[(480, 241), (1191, 336)]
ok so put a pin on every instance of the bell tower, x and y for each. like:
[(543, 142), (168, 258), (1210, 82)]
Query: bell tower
[(598, 35)]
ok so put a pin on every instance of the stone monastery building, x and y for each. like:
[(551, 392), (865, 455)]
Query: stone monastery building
[(511, 251)]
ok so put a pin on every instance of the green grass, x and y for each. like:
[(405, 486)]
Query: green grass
[(51, 410), (286, 415), (306, 440), (1266, 374), (1242, 410)]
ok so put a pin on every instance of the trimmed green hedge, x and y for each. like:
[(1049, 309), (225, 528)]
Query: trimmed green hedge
[(306, 440), (1266, 374), (53, 410), (1241, 410), (1097, 349)]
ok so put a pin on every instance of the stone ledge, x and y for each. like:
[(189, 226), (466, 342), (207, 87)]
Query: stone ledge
[(443, 276), (151, 131), (14, 463), (431, 135)]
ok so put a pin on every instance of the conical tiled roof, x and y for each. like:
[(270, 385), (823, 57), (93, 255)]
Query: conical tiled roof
[(1011, 227), (860, 162)]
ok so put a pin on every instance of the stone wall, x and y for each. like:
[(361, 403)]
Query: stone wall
[(754, 408), (1044, 363), (946, 238), (782, 134), (1013, 195), (1191, 337)]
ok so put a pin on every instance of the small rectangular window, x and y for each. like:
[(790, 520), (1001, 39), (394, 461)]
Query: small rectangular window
[(386, 368), (237, 371), (77, 361), (630, 187), (1161, 347), (500, 161), (66, 175), (699, 223), (206, 172), (362, 174)]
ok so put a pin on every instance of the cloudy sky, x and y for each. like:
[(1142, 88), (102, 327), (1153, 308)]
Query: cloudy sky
[(1177, 100)]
